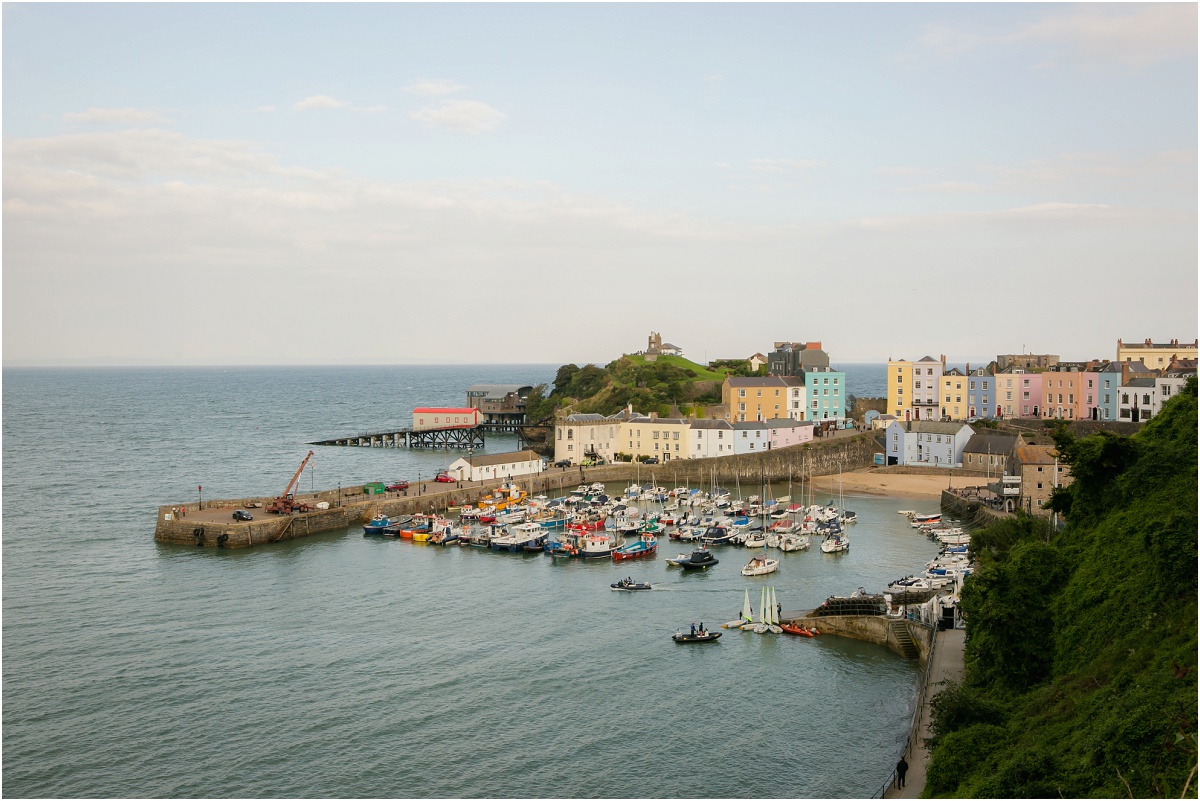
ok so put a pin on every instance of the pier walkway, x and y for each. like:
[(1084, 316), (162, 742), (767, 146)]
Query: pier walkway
[(947, 665)]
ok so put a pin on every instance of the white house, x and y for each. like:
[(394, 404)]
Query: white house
[(750, 437), (1138, 400), (711, 438), (925, 442), (498, 465)]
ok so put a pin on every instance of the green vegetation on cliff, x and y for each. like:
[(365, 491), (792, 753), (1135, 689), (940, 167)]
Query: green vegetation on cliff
[(650, 386), (1081, 653)]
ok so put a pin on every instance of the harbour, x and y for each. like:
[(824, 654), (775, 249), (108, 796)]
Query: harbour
[(340, 646)]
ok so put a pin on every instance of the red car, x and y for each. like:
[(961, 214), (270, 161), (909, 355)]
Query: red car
[(399, 486), (444, 478)]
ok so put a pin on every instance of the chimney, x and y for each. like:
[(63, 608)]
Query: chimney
[(943, 362)]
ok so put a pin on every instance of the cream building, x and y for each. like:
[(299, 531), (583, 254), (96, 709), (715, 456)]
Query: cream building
[(664, 437), (587, 436), (1155, 355)]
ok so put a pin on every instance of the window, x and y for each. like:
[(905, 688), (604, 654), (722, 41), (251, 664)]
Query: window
[(741, 393), (674, 435), (814, 404), (570, 433), (826, 392), (1146, 399), (1008, 396), (656, 435), (916, 385), (957, 399), (560, 433), (760, 393), (929, 371), (570, 447), (985, 400), (972, 385)]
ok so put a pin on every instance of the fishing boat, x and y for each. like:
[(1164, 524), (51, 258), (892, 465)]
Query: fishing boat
[(629, 585), (760, 566), (700, 559), (595, 545), (383, 526), (696, 635), (645, 545)]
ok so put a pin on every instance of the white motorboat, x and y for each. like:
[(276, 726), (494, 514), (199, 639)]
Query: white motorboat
[(760, 566)]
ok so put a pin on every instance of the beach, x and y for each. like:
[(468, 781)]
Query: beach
[(877, 481)]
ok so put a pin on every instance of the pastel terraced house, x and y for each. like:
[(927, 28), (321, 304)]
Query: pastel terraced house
[(709, 438), (751, 399), (787, 432), (954, 395), (664, 437), (1156, 355), (913, 388)]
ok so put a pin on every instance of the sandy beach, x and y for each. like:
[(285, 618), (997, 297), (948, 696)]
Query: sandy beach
[(872, 482)]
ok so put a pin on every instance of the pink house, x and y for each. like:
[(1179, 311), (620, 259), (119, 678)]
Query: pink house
[(1070, 393), (782, 432)]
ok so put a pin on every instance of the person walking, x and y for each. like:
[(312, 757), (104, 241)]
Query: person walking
[(901, 769)]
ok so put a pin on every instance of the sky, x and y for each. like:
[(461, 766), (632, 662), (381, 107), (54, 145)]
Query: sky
[(228, 184)]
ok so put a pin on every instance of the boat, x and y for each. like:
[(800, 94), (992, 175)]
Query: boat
[(700, 559), (760, 566), (595, 545), (835, 543), (717, 535), (773, 613), (794, 542), (796, 628), (747, 616), (643, 546), (697, 635), (756, 540), (629, 585), (383, 526)]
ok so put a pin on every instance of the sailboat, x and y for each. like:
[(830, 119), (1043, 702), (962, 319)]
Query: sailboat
[(746, 618), (762, 626), (773, 614)]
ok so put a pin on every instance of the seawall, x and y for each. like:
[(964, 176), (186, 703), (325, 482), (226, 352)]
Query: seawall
[(214, 526)]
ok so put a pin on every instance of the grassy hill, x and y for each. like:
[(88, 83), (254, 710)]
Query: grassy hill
[(654, 386), (1081, 653)]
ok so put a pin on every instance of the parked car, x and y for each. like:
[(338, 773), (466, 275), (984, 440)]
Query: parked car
[(444, 478), (399, 486), (239, 514), (652, 460), (563, 463)]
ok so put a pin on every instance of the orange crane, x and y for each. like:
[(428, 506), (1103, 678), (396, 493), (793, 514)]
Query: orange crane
[(285, 504)]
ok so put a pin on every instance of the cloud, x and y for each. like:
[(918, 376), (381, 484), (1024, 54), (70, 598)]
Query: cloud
[(901, 172), (325, 101), (781, 166), (464, 116), (1139, 36), (1095, 34), (127, 117), (319, 101), (429, 88)]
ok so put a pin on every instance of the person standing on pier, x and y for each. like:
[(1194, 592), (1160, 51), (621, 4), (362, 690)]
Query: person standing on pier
[(901, 769)]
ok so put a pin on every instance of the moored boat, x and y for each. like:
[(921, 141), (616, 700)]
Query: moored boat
[(645, 545), (760, 566), (699, 559)]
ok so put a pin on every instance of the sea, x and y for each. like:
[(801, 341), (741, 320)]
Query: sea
[(345, 666)]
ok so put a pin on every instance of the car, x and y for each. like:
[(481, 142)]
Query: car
[(239, 514), (444, 478), (563, 463), (399, 486), (652, 460)]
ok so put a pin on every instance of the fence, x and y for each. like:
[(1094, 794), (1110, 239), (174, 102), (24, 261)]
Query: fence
[(918, 717)]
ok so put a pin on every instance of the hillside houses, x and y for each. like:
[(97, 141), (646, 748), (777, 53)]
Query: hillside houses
[(1124, 389)]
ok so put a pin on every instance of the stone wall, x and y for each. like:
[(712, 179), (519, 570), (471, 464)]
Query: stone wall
[(872, 629)]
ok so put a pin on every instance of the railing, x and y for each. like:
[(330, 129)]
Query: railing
[(918, 717)]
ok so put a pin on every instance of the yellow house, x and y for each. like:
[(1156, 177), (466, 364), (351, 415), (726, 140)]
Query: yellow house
[(913, 388), (753, 399), (664, 437), (953, 393), (1156, 356)]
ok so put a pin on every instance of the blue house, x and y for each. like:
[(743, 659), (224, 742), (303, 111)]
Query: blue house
[(981, 394)]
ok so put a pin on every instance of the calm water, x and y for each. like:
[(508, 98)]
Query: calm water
[(346, 666)]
